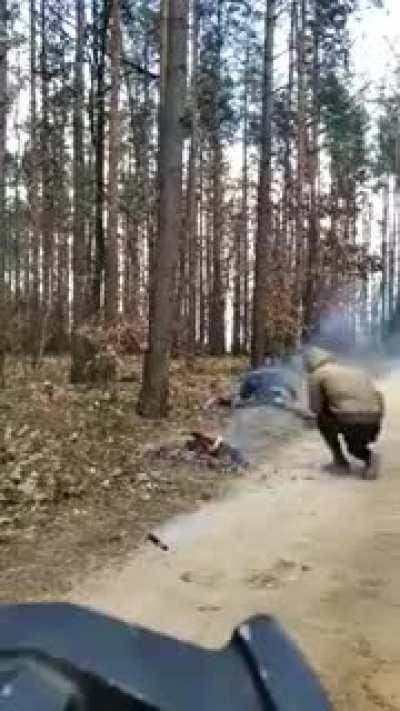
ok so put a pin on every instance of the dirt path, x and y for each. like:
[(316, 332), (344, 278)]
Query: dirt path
[(321, 553)]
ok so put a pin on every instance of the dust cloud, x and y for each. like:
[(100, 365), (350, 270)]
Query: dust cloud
[(254, 427)]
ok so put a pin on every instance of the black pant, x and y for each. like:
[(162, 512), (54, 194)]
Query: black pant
[(356, 436)]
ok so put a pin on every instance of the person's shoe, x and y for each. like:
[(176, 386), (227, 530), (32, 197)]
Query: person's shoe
[(338, 467), (372, 469)]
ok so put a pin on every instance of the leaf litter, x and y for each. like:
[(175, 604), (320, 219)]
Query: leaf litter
[(80, 480)]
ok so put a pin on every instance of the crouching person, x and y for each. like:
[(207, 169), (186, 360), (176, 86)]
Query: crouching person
[(346, 403)]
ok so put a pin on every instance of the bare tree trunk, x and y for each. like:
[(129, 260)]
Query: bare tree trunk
[(18, 218), (192, 206), (313, 247), (384, 255), (301, 123), (46, 216), (237, 278), (155, 389), (391, 267), (240, 322), (132, 275), (79, 251), (148, 196), (3, 136), (217, 305), (180, 335), (334, 228), (111, 290), (366, 241), (209, 250), (244, 233), (101, 20), (202, 256), (33, 192), (264, 212), (396, 208), (287, 198), (63, 236)]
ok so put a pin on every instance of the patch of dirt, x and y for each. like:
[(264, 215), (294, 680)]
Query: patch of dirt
[(283, 571)]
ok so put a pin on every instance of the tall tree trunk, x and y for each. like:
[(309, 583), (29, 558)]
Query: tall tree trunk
[(301, 145), (209, 248), (111, 290), (148, 196), (46, 216), (192, 204), (237, 276), (132, 267), (287, 198), (244, 232), (217, 306), (313, 266), (79, 250), (334, 229), (241, 316), (63, 230), (396, 208), (3, 137), (179, 337), (202, 255), (18, 217), (366, 242), (264, 211), (392, 266), (33, 191), (101, 20), (154, 395), (384, 255)]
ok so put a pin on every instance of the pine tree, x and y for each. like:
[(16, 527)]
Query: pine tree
[(79, 253), (111, 275), (265, 207), (155, 389), (3, 133)]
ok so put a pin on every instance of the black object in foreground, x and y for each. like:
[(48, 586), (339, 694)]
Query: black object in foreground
[(57, 657)]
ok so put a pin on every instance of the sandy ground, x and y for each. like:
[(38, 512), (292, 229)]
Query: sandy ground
[(322, 553)]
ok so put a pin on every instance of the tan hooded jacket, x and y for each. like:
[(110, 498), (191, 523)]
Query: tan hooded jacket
[(344, 391)]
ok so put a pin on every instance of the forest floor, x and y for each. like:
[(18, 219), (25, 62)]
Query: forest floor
[(82, 482)]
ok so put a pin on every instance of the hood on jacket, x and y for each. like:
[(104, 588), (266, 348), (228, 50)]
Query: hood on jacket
[(315, 357)]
